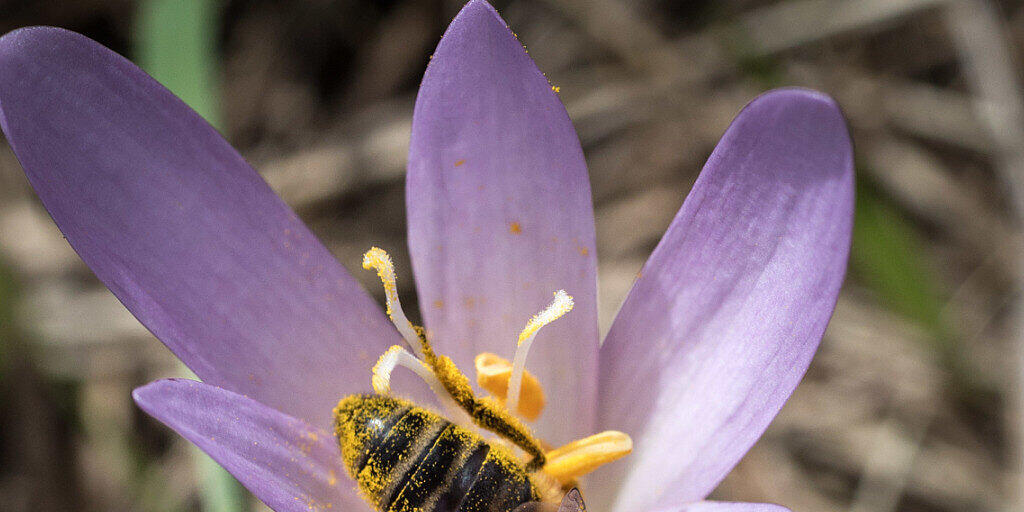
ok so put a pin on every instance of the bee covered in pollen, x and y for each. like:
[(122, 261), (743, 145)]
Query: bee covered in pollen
[(482, 457)]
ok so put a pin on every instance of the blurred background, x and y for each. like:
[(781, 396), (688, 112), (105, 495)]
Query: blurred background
[(914, 399)]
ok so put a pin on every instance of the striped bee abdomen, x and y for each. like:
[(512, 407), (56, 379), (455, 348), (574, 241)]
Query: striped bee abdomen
[(405, 458)]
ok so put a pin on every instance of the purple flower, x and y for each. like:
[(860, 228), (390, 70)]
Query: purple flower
[(714, 336)]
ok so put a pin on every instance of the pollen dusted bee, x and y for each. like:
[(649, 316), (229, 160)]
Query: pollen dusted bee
[(406, 458)]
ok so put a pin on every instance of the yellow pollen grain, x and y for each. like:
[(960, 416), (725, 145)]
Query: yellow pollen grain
[(556, 88), (428, 350), (504, 457), (515, 228), (493, 373), (353, 440), (351, 413), (454, 381), (376, 476), (459, 162)]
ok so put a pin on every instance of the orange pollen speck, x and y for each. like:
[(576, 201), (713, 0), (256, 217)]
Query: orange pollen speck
[(460, 162), (515, 228)]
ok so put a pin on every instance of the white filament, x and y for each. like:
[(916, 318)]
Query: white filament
[(399, 356), (561, 305), (377, 258), (403, 325)]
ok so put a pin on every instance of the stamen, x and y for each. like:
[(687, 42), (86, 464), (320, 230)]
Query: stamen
[(399, 356), (441, 374), (376, 258), (561, 305), (585, 455)]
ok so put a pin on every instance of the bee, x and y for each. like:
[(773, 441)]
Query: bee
[(407, 458)]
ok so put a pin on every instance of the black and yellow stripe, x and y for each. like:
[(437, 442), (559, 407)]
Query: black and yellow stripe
[(406, 458)]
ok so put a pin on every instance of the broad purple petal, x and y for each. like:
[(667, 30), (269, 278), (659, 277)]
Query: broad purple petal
[(182, 230), (287, 463), (500, 214), (724, 506), (729, 309)]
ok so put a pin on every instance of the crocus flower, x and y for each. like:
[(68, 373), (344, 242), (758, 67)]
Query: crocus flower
[(714, 336)]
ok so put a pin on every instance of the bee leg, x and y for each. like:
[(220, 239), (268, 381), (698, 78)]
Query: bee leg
[(486, 412)]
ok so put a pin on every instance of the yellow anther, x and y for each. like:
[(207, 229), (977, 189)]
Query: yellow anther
[(493, 373), (561, 305), (377, 259), (585, 455)]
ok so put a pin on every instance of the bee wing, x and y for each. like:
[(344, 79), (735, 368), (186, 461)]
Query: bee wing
[(572, 502)]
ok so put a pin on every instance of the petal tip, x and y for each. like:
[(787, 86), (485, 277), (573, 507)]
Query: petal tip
[(145, 395), (17, 34), (796, 93), (479, 11), (31, 34), (34, 44), (808, 107), (478, 6), (801, 100)]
